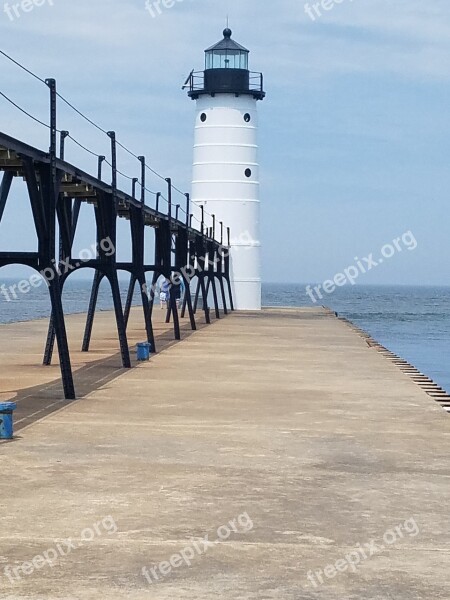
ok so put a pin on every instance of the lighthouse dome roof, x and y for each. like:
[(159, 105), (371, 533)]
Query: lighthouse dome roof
[(227, 43)]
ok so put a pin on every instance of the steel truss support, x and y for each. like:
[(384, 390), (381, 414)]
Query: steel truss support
[(5, 188), (211, 275), (220, 276), (106, 217), (163, 267), (138, 272), (200, 273), (187, 260), (98, 278), (43, 188), (68, 219), (181, 268), (56, 190)]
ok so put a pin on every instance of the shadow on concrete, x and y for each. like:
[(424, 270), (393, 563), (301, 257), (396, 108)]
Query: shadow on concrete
[(35, 403)]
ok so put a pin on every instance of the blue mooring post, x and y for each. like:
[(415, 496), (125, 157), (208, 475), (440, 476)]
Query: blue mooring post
[(6, 420)]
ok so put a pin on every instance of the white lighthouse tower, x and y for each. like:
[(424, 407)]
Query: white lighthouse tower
[(226, 171)]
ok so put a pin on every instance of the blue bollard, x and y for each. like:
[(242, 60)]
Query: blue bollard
[(143, 351), (6, 420)]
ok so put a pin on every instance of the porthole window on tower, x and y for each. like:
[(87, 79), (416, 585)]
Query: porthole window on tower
[(247, 118), (203, 117), (248, 172)]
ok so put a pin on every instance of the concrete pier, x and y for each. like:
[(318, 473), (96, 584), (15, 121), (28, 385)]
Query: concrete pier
[(317, 469)]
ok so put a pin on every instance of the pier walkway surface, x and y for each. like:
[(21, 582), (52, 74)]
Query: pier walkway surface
[(314, 466)]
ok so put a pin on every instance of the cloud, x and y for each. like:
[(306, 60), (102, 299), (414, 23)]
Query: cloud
[(409, 38), (350, 96)]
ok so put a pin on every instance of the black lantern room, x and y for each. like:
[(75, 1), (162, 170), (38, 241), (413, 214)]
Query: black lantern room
[(226, 72)]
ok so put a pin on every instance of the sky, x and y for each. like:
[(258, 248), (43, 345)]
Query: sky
[(354, 131)]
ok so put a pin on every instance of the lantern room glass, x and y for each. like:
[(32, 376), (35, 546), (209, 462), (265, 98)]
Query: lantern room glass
[(227, 59)]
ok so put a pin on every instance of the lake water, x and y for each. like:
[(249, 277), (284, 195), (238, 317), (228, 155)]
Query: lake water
[(413, 322)]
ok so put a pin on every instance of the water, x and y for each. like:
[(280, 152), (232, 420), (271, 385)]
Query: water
[(36, 303), (413, 322)]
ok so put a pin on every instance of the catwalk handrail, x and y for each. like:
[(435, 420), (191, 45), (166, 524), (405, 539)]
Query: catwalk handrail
[(54, 97), (24, 149)]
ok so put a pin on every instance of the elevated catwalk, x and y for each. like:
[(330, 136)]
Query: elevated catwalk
[(56, 190)]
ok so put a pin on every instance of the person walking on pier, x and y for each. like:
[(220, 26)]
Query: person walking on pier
[(164, 296), (179, 293)]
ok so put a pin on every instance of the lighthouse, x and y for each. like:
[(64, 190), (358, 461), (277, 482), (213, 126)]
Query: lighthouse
[(226, 170)]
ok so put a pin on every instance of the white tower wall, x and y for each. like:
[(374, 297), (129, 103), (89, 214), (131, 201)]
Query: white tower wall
[(225, 147)]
